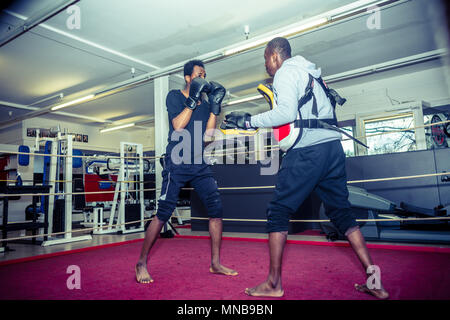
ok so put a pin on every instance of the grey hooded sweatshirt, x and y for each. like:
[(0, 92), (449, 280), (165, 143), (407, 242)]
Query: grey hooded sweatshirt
[(289, 86)]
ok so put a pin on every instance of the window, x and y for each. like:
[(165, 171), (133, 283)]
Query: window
[(347, 144), (390, 134)]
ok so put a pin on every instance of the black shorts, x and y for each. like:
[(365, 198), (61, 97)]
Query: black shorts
[(319, 168)]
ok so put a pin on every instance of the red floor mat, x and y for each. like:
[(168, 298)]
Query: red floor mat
[(179, 267)]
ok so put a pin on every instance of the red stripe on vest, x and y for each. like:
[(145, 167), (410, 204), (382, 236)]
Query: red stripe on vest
[(282, 131)]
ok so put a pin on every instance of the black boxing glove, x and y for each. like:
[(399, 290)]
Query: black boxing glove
[(215, 97), (198, 85), (238, 119)]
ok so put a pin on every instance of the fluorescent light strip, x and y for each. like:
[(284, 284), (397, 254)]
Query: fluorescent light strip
[(243, 100), (118, 127), (70, 103), (284, 33), (356, 6)]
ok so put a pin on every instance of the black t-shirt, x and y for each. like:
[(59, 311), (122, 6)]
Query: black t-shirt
[(191, 138)]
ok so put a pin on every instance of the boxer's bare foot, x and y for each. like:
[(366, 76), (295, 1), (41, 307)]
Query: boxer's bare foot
[(378, 293), (220, 269), (265, 289), (142, 275)]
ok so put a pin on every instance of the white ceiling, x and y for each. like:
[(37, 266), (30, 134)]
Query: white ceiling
[(147, 35)]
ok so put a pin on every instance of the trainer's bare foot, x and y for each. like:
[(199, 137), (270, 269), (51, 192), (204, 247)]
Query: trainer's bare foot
[(142, 275), (377, 293), (265, 289), (220, 269)]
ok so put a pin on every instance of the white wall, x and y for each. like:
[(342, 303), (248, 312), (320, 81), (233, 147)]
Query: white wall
[(145, 137), (11, 135), (390, 90), (108, 142)]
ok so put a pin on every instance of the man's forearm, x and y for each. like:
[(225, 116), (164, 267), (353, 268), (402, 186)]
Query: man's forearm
[(211, 124), (181, 121), (273, 118)]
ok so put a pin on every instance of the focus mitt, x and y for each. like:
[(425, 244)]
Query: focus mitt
[(266, 90), (238, 122)]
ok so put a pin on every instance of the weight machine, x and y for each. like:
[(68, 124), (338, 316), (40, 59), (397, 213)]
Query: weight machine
[(129, 192), (61, 145)]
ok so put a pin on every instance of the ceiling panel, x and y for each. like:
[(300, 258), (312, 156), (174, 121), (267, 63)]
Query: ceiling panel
[(166, 32), (34, 67), (122, 105)]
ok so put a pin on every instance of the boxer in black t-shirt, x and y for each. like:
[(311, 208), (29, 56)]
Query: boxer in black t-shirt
[(190, 117)]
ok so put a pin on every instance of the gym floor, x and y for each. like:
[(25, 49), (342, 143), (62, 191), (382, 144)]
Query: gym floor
[(32, 272), (22, 250)]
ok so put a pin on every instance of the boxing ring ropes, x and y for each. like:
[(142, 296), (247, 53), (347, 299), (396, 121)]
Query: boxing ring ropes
[(266, 149)]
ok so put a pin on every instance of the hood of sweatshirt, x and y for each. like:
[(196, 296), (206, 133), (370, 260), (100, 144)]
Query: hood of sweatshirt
[(306, 65)]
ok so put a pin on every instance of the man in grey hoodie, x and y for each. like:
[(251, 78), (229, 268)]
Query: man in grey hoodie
[(316, 162)]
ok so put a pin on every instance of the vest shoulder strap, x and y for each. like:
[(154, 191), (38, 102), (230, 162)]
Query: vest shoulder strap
[(310, 94)]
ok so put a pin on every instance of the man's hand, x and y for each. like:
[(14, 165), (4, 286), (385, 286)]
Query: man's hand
[(198, 85), (215, 97), (238, 119)]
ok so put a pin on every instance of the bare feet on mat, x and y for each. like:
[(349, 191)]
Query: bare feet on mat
[(377, 293), (142, 275), (220, 269), (265, 289)]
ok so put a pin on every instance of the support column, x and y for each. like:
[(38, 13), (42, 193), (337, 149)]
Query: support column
[(161, 89), (67, 185), (421, 142)]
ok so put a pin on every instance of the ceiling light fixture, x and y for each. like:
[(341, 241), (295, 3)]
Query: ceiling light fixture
[(71, 103), (117, 127), (246, 99), (285, 33), (358, 7)]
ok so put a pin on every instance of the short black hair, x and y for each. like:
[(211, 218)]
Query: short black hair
[(189, 66), (280, 45)]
